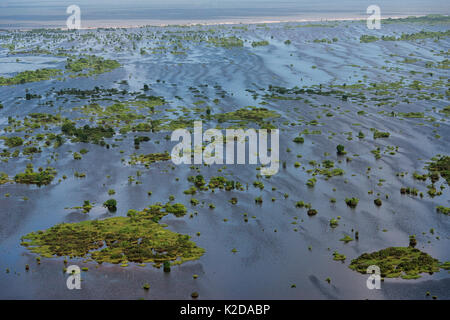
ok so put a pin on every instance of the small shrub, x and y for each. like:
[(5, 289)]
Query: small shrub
[(111, 205)]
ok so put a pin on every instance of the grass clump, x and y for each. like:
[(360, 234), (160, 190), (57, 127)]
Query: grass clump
[(260, 43), (12, 142), (40, 177), (311, 182), (219, 182), (352, 202), (408, 190), (413, 115), (177, 209), (111, 205), (150, 158), (366, 38), (378, 202), (87, 206), (334, 223), (397, 262), (340, 150), (338, 256), (3, 178), (444, 210), (379, 134), (440, 166), (346, 239)]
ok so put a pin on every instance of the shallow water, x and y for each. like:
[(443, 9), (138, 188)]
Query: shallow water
[(267, 263)]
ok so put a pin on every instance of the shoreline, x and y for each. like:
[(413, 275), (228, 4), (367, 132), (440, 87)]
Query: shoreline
[(182, 23)]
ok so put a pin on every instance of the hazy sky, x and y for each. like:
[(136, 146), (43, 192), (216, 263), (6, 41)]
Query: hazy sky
[(30, 11), (311, 4)]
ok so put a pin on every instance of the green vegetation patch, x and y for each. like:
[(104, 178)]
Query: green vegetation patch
[(148, 159), (40, 177), (249, 114), (352, 202), (428, 19), (366, 38), (394, 262), (30, 76), (338, 256), (226, 42), (440, 209), (12, 142), (174, 124), (260, 43), (87, 133), (35, 120), (407, 36), (346, 239), (177, 209), (446, 110), (3, 178), (136, 238), (380, 134), (217, 182), (440, 166), (412, 114), (91, 65), (329, 172)]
